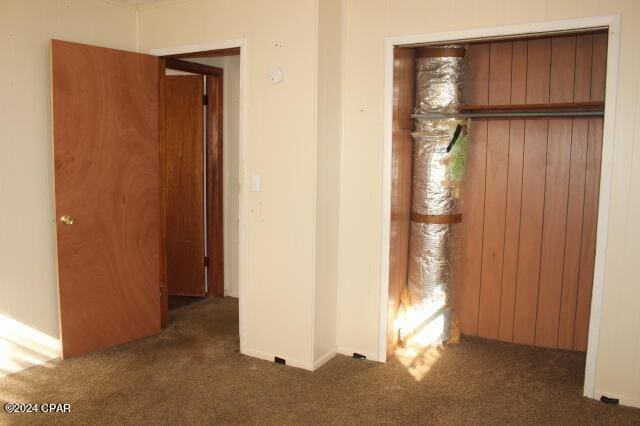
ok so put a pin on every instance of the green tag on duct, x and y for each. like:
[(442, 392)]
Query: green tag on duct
[(457, 158)]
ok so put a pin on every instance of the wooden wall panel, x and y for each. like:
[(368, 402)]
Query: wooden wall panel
[(538, 71), (533, 182), (582, 75), (493, 229), (573, 237), (500, 73), (554, 231), (404, 78), (519, 72), (473, 192), (598, 66), (531, 194), (512, 229), (589, 225), (401, 184), (563, 65), (476, 91)]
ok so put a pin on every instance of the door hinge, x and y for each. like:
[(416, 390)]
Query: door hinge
[(205, 99), (206, 261)]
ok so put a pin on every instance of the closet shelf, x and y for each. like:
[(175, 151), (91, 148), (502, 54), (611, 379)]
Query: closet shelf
[(577, 109)]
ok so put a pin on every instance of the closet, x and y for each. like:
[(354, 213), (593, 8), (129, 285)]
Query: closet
[(525, 248)]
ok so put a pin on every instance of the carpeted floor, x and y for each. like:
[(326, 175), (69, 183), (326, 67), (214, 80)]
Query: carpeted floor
[(194, 373)]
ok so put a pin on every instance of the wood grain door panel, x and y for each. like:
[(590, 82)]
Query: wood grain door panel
[(215, 184), (107, 177), (185, 185)]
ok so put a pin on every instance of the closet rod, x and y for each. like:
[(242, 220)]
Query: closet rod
[(510, 114)]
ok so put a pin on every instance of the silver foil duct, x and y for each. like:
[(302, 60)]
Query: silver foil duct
[(436, 185), (439, 83), (433, 187)]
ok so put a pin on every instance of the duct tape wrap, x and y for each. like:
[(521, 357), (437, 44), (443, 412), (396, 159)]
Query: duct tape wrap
[(439, 83)]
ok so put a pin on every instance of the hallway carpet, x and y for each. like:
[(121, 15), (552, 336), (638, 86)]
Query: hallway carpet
[(193, 373)]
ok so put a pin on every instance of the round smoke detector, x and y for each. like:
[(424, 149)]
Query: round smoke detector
[(276, 75)]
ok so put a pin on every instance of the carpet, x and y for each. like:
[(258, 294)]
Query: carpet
[(194, 373)]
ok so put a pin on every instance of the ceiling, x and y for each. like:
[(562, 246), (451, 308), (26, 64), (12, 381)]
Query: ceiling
[(137, 2)]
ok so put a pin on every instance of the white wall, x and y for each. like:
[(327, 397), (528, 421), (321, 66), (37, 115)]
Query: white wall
[(367, 23), (231, 170), (28, 288)]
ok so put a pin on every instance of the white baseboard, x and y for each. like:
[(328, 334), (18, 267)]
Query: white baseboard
[(350, 351), (624, 399), (324, 358), (291, 362)]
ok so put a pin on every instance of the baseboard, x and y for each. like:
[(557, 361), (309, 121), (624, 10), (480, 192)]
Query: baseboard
[(324, 358), (291, 362), (624, 399), (350, 351)]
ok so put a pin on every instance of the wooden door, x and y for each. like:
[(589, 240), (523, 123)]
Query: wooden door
[(215, 202), (185, 185), (106, 109)]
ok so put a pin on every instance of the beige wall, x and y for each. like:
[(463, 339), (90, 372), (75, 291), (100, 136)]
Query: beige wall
[(28, 288), (367, 23), (231, 65), (327, 177), (280, 145)]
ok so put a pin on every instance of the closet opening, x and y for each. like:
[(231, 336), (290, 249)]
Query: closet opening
[(495, 178)]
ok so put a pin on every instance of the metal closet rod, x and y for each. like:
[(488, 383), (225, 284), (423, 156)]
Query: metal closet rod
[(514, 114)]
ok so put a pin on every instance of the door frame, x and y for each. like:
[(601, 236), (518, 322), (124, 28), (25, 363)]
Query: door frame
[(612, 23), (225, 48)]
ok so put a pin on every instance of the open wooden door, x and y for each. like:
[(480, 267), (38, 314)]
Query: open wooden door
[(185, 185), (106, 140)]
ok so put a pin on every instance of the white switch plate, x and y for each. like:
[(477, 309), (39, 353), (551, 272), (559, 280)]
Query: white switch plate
[(255, 182)]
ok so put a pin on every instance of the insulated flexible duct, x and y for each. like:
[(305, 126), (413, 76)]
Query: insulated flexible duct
[(438, 162)]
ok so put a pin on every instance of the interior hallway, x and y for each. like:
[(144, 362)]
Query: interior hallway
[(193, 372)]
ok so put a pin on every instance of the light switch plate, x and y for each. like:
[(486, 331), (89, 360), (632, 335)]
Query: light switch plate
[(255, 182)]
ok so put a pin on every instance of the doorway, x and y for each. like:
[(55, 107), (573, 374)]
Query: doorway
[(544, 327), (201, 172)]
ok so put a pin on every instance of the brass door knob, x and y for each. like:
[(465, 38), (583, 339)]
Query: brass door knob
[(66, 219)]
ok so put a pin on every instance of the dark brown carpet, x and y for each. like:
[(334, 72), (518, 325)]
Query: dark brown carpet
[(194, 373), (176, 302)]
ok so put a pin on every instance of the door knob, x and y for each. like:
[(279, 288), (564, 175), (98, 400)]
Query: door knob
[(66, 219)]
